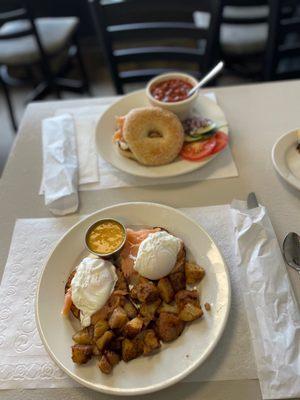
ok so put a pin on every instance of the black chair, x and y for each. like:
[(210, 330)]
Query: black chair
[(243, 34), (158, 23), (27, 42), (283, 49)]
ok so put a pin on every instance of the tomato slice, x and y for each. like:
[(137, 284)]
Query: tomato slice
[(222, 141), (195, 151)]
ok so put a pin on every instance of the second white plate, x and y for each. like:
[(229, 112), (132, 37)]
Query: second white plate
[(286, 158), (107, 126)]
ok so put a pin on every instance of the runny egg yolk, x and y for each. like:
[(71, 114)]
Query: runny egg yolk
[(105, 237)]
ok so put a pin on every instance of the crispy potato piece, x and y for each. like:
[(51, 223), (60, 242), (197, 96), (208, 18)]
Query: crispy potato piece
[(104, 365), (84, 336), (181, 257), (169, 326), (170, 308), (112, 357), (133, 327), (193, 273), (148, 310), (187, 296), (104, 340), (178, 281), (166, 290), (100, 327), (81, 353), (151, 342), (190, 312), (115, 300), (118, 318), (129, 350), (121, 283), (130, 309), (146, 292), (96, 351)]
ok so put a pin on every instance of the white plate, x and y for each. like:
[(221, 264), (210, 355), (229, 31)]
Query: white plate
[(107, 126), (286, 158), (174, 360)]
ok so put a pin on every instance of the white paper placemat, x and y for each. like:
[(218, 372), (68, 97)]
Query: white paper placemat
[(107, 176), (24, 362)]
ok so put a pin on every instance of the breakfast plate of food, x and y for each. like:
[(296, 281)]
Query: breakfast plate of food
[(132, 299), (286, 157), (159, 132)]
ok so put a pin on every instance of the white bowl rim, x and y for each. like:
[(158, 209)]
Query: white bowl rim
[(152, 388)]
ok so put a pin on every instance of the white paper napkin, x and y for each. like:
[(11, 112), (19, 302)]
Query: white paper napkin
[(95, 173), (24, 362), (272, 310), (60, 166)]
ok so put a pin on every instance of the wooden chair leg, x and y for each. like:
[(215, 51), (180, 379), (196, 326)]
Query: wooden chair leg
[(9, 106), (84, 75)]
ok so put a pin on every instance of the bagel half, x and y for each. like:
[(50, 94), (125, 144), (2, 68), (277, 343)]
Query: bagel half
[(154, 136)]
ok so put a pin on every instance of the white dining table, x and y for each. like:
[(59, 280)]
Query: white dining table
[(257, 115)]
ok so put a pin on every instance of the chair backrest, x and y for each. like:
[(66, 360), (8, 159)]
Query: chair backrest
[(283, 47), (245, 11), (22, 12), (127, 21)]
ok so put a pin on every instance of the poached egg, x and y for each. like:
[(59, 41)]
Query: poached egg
[(157, 255), (91, 286)]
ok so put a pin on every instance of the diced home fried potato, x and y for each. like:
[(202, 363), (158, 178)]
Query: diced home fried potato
[(129, 350), (166, 290), (177, 280), (101, 326), (187, 296), (181, 257), (83, 336), (130, 309), (190, 312), (169, 326), (193, 273), (96, 351), (118, 318), (104, 365), (112, 357), (121, 283), (133, 327), (151, 342), (115, 300), (146, 292), (104, 340), (170, 308), (148, 310), (81, 353)]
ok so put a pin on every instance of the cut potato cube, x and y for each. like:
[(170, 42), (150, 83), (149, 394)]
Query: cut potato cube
[(118, 318), (101, 326), (83, 336), (146, 292), (193, 273), (190, 312), (133, 327), (170, 308), (129, 350), (151, 342), (169, 326), (166, 290), (178, 281), (81, 353), (148, 310), (130, 309), (104, 365), (187, 296), (104, 340), (112, 357)]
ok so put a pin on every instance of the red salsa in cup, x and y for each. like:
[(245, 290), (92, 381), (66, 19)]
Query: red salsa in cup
[(171, 90)]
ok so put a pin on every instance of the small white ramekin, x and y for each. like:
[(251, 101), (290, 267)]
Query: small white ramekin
[(180, 108)]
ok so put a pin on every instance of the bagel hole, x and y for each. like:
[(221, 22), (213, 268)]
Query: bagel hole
[(154, 134)]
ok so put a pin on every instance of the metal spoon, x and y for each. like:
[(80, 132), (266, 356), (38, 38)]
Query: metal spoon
[(211, 74), (291, 250)]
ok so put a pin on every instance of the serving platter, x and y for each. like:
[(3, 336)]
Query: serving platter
[(107, 125), (176, 359), (286, 158)]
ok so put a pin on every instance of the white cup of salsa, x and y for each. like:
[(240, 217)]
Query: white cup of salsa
[(159, 94)]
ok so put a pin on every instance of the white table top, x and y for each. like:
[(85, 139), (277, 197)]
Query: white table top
[(257, 116)]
